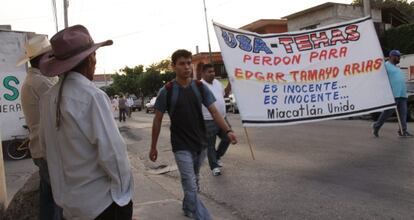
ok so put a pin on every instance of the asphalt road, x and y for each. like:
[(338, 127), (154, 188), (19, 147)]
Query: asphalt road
[(328, 170)]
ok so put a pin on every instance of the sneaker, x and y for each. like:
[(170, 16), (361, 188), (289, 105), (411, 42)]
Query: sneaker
[(220, 163), (216, 171), (189, 214), (408, 134), (375, 130), (404, 134)]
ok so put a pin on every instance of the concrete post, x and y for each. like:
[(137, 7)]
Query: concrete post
[(3, 191), (65, 12), (367, 8)]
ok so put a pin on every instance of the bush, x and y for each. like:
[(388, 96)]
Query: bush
[(400, 38)]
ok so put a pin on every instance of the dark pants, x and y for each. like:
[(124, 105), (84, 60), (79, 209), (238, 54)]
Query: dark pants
[(48, 207), (213, 131), (122, 114), (402, 111), (116, 212), (129, 112)]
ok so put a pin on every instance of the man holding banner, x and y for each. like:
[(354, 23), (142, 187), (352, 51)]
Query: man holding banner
[(399, 90)]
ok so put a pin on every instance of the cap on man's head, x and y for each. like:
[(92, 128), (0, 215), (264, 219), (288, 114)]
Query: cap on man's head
[(395, 53)]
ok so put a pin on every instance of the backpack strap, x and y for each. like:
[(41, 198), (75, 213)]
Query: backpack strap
[(197, 87), (172, 95)]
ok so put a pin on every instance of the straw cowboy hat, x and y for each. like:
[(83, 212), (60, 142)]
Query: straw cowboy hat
[(70, 47), (37, 45)]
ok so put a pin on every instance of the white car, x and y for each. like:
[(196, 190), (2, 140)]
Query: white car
[(233, 104), (150, 105)]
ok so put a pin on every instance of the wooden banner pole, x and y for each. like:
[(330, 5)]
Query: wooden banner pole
[(399, 120), (248, 141)]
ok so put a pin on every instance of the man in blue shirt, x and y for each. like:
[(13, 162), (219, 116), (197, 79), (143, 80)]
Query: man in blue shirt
[(399, 90), (183, 98)]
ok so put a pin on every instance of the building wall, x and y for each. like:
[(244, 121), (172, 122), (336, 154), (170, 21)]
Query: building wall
[(330, 15), (407, 65), (102, 83), (271, 29), (202, 58)]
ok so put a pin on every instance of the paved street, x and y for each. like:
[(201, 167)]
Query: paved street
[(329, 170)]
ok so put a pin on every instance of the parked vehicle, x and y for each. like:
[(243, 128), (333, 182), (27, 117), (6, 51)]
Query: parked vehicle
[(137, 103), (227, 103), (150, 105), (410, 103), (233, 104)]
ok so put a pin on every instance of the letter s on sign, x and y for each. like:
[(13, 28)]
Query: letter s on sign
[(15, 92)]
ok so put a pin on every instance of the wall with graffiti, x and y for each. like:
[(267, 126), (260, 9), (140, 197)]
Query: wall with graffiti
[(11, 79)]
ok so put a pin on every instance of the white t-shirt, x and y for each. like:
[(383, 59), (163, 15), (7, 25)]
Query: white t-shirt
[(218, 91), (130, 102)]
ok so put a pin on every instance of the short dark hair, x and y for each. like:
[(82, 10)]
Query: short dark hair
[(180, 53), (34, 62), (207, 66), (81, 65)]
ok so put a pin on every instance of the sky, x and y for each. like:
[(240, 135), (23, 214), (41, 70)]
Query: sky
[(146, 31)]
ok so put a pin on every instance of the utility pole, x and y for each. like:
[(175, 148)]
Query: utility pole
[(208, 33), (367, 8), (65, 11)]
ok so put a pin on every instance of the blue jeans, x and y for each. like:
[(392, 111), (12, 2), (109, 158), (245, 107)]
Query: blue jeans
[(212, 132), (402, 111), (189, 164), (48, 207)]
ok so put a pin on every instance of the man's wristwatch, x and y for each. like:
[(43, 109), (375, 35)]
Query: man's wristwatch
[(228, 131)]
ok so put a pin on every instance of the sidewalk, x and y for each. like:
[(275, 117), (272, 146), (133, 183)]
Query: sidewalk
[(160, 196)]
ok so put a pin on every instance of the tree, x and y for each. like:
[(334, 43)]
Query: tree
[(400, 38), (156, 75), (128, 82), (402, 5), (164, 66), (109, 90), (135, 81)]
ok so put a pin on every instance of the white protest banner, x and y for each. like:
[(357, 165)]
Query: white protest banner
[(331, 72)]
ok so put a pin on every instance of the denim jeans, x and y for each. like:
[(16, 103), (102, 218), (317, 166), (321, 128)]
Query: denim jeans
[(402, 111), (213, 131), (48, 207), (189, 164)]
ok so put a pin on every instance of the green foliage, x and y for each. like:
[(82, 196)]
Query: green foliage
[(129, 81), (402, 5), (109, 90), (400, 38), (164, 66), (135, 81)]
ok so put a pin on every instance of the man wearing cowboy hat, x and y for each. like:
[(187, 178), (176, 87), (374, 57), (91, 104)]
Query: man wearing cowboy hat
[(88, 163), (33, 88)]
